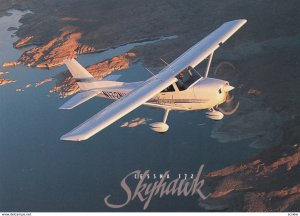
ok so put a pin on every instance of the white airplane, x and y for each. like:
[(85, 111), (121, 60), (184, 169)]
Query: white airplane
[(177, 87)]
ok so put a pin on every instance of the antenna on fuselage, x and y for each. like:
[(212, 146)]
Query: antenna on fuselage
[(187, 68), (167, 64), (151, 72), (164, 61)]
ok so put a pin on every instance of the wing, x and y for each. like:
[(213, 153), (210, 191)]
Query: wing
[(155, 84), (116, 110), (113, 77)]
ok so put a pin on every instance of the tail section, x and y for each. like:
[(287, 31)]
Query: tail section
[(85, 80), (80, 74), (89, 85)]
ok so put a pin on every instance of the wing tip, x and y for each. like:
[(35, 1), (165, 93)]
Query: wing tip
[(68, 137), (241, 21), (64, 107)]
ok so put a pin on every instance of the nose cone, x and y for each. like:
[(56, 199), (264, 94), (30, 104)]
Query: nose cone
[(228, 88)]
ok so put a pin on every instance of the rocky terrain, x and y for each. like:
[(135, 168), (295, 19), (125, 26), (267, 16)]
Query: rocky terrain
[(269, 182), (23, 42), (135, 122), (10, 64), (265, 59), (4, 81), (53, 53)]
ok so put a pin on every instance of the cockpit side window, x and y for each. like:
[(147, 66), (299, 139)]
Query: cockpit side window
[(186, 78), (169, 89)]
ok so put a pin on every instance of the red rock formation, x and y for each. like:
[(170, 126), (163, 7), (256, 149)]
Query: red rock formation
[(5, 81), (117, 63), (289, 196), (55, 51), (43, 82), (69, 19), (253, 91), (3, 73), (135, 122), (10, 64), (266, 184), (23, 42)]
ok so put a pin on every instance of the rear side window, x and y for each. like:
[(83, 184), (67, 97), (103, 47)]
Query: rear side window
[(169, 89)]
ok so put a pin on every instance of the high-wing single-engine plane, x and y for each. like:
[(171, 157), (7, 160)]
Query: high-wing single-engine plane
[(178, 86)]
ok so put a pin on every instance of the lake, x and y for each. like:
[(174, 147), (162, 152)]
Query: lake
[(39, 172)]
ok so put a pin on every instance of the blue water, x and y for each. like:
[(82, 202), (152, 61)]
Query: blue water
[(41, 173)]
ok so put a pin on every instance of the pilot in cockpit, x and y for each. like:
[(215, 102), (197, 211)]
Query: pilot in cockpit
[(180, 80)]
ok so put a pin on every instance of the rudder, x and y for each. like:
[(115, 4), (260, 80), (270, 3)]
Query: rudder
[(79, 73)]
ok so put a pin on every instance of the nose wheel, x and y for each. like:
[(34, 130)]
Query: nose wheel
[(161, 127), (214, 115)]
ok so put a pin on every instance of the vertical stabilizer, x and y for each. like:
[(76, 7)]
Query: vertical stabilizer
[(80, 74)]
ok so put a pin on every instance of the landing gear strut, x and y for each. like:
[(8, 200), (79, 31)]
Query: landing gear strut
[(161, 127)]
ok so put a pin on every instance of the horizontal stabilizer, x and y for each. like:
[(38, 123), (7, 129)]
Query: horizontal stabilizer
[(82, 77), (113, 77), (79, 99)]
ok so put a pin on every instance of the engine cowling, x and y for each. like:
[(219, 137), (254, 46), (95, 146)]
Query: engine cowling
[(214, 115), (159, 127)]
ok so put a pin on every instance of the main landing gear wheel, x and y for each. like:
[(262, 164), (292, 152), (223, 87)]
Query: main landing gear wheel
[(161, 127)]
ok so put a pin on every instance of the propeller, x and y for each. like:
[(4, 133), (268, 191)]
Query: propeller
[(230, 106), (226, 70)]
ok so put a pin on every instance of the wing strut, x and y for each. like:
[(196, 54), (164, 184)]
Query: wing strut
[(208, 64)]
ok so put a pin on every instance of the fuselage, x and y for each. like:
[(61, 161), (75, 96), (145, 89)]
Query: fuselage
[(205, 93)]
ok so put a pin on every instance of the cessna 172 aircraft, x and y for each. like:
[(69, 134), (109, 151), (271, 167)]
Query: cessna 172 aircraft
[(177, 87)]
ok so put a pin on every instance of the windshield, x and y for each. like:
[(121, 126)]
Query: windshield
[(186, 78)]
